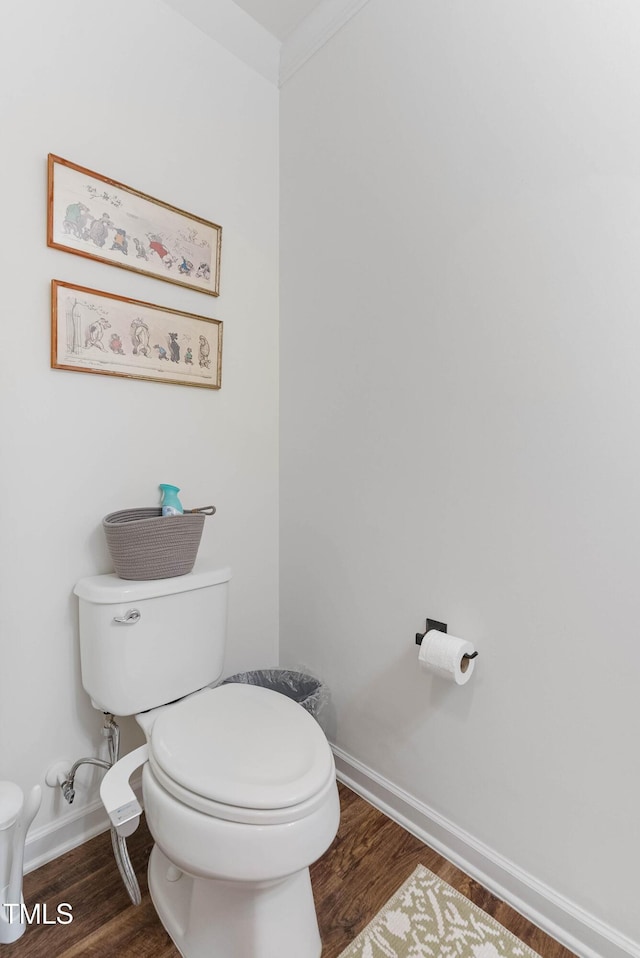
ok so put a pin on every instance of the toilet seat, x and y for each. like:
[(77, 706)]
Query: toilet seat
[(242, 753), (237, 814)]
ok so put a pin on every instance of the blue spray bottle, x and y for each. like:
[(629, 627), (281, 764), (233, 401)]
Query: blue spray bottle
[(171, 505)]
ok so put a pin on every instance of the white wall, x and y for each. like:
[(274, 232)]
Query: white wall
[(137, 93), (460, 407)]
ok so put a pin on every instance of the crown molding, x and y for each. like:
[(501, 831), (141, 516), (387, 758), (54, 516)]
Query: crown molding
[(227, 24), (314, 31)]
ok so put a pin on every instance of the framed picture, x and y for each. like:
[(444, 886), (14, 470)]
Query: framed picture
[(96, 332), (93, 216)]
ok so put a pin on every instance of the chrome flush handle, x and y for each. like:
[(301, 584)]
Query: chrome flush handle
[(131, 617)]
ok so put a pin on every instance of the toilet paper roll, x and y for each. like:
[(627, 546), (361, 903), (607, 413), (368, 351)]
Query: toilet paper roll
[(443, 655)]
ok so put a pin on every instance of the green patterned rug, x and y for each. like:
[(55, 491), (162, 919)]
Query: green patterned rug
[(426, 918)]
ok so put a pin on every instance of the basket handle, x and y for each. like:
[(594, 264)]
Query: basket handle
[(205, 510)]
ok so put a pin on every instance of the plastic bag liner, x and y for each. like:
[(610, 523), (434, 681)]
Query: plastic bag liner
[(310, 692)]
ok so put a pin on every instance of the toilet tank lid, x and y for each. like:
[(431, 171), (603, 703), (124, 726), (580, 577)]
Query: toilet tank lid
[(110, 588)]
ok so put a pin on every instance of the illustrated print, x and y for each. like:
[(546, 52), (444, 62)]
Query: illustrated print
[(120, 241), (100, 332), (99, 230), (156, 243), (97, 217), (203, 353), (95, 333), (115, 344), (75, 219), (141, 252), (140, 337), (111, 198), (174, 347)]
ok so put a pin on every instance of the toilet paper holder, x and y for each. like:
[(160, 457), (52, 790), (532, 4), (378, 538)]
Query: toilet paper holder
[(439, 627)]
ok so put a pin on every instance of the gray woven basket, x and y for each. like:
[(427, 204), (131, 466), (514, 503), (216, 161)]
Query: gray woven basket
[(144, 544)]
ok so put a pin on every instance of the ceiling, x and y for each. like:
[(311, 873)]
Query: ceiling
[(279, 17)]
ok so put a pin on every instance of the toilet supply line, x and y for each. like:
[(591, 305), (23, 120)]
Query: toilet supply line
[(66, 781)]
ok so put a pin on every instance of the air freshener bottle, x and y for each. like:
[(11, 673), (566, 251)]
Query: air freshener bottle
[(171, 505)]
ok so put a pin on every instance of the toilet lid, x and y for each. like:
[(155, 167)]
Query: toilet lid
[(243, 745)]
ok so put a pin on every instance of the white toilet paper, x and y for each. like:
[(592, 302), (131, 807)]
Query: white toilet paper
[(443, 655)]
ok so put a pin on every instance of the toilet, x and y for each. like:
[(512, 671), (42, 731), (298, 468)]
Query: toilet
[(238, 781)]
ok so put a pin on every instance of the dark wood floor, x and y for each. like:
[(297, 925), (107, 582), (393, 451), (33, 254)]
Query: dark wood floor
[(369, 859)]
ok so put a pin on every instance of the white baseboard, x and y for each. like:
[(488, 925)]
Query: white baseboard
[(576, 929), (78, 826)]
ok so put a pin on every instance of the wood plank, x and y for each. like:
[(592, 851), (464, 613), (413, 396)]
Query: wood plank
[(369, 859)]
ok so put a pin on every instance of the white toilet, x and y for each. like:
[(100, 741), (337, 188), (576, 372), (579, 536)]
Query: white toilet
[(238, 782)]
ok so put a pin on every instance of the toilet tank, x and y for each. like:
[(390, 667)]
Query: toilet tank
[(144, 644)]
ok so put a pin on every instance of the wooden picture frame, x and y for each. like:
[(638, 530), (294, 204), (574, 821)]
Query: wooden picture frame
[(97, 217), (97, 332)]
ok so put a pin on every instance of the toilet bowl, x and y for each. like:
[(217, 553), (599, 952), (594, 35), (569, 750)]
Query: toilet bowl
[(238, 781), (240, 797)]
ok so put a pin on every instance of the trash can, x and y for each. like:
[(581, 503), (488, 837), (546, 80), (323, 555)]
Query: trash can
[(308, 691)]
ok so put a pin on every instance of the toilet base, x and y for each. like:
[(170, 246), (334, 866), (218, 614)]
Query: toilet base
[(229, 919)]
